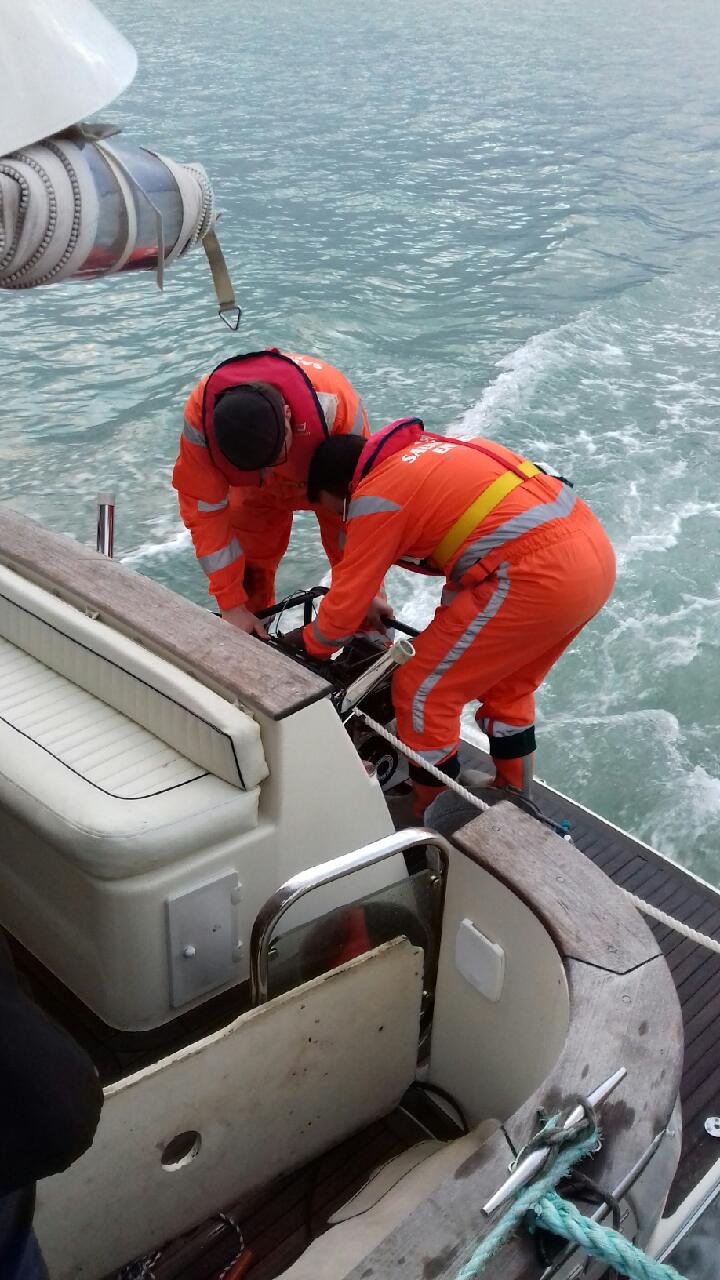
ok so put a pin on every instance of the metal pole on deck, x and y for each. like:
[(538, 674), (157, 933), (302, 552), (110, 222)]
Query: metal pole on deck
[(105, 523)]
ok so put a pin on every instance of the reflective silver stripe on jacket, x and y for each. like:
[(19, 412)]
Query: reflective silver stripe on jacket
[(466, 639), (370, 506), (514, 528), (328, 404), (321, 638), (212, 506), (358, 425), (222, 558), (192, 434)]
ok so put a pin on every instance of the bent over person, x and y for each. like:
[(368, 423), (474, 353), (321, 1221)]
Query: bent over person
[(251, 427), (526, 566)]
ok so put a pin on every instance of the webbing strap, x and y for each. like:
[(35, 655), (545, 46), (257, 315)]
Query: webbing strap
[(221, 278), (490, 498)]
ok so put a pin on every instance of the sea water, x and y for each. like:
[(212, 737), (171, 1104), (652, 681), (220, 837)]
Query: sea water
[(502, 218)]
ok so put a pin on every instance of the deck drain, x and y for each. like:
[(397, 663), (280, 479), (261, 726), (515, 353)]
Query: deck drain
[(712, 1126)]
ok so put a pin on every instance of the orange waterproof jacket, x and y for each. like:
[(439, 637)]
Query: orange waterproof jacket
[(206, 494), (404, 502)]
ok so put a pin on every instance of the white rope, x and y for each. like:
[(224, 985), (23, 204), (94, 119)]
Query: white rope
[(700, 939), (417, 759)]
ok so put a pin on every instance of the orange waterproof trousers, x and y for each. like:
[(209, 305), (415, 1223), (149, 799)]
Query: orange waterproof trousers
[(262, 522), (495, 639)]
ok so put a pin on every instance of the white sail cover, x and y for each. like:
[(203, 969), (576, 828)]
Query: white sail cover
[(60, 61)]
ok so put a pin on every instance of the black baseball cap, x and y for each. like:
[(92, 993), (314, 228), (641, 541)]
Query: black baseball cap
[(249, 425)]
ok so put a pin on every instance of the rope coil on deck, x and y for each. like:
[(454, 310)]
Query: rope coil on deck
[(540, 1203), (654, 913)]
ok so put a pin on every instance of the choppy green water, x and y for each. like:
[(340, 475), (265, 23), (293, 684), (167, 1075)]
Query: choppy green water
[(502, 217)]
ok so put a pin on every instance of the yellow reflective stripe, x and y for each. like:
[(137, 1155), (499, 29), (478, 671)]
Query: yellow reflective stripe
[(488, 500)]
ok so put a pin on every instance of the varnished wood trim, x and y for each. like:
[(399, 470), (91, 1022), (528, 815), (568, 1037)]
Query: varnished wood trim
[(238, 666), (583, 911)]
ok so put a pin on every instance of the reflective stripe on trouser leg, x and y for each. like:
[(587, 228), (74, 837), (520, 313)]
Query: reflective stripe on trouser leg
[(262, 520), (445, 759), (429, 691), (458, 649), (426, 786)]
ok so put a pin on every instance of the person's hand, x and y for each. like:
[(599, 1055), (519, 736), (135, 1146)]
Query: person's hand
[(244, 620), (294, 639), (378, 615)]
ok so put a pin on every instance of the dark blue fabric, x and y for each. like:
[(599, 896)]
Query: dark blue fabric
[(20, 1257), (50, 1100), (50, 1096), (30, 1263)]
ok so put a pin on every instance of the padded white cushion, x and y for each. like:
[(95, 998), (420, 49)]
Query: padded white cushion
[(195, 721), (122, 826), (96, 742), (393, 1192)]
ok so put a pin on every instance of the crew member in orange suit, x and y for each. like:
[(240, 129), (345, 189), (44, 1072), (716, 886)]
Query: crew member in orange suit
[(251, 428), (526, 566)]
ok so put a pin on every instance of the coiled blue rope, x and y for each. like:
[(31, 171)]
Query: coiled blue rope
[(554, 1214)]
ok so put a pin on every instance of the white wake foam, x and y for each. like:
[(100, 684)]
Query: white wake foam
[(524, 370), (179, 541)]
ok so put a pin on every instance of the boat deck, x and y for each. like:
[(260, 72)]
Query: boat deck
[(628, 862), (695, 970), (278, 1222)]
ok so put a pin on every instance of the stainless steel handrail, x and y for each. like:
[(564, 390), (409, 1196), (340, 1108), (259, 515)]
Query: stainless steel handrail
[(326, 873), (105, 523)]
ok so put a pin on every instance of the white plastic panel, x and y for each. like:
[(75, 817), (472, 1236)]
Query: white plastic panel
[(480, 961), (265, 1095), (201, 941), (491, 1056)]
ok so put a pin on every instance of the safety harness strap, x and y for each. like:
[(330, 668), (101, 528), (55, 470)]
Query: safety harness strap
[(486, 502), (221, 279)]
